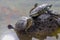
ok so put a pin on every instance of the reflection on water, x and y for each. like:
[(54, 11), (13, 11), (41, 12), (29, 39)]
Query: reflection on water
[(11, 10)]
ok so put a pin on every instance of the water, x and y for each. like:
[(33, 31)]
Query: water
[(12, 10)]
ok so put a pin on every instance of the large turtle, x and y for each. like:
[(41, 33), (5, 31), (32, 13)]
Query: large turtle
[(39, 27)]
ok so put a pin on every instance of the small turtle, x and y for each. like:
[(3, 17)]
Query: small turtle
[(40, 9)]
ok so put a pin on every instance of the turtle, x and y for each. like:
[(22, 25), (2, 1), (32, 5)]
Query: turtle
[(40, 28), (40, 9), (44, 8)]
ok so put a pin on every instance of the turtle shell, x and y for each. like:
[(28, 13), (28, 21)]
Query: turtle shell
[(44, 24), (40, 9)]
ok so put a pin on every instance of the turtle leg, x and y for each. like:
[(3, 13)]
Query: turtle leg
[(25, 38), (41, 39)]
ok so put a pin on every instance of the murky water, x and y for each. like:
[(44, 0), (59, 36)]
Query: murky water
[(12, 10)]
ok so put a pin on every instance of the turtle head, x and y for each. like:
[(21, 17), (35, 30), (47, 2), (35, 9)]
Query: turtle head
[(36, 4), (10, 26)]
